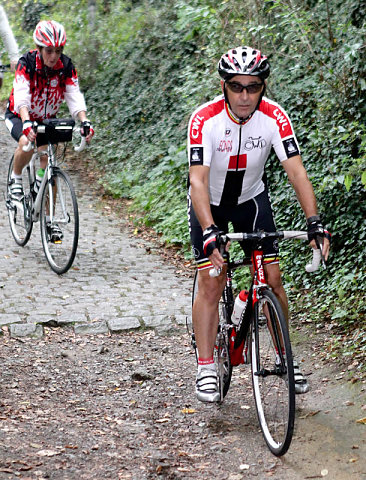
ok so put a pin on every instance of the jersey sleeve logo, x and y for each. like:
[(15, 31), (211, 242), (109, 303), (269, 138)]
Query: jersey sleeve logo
[(196, 128), (282, 122), (196, 156), (291, 147)]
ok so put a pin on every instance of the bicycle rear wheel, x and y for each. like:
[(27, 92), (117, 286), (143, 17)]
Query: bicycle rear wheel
[(59, 213), (272, 373), (20, 212), (222, 360)]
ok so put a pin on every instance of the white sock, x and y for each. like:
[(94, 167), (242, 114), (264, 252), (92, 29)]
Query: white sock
[(207, 366), (17, 178)]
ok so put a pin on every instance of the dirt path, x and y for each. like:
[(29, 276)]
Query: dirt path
[(122, 405)]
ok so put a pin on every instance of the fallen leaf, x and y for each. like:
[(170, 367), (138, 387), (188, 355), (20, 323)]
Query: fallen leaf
[(48, 453), (310, 414), (35, 445), (188, 410), (362, 420), (162, 420)]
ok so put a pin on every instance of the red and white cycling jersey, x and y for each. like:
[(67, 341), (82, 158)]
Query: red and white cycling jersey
[(236, 153), (42, 90)]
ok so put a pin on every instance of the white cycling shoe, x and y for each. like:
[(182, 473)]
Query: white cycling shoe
[(206, 386)]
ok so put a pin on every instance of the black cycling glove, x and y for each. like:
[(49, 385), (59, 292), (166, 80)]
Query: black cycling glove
[(316, 229), (86, 128), (210, 235)]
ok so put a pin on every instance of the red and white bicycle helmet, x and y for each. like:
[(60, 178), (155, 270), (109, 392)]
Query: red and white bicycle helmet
[(243, 61), (49, 33)]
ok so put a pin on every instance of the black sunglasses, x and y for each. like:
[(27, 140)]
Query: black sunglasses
[(237, 87)]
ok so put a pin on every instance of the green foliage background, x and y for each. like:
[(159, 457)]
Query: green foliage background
[(145, 65)]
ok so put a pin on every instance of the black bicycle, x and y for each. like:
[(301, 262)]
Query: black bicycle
[(261, 338)]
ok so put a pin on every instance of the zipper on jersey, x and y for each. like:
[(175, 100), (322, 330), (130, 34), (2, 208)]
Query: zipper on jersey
[(47, 92), (238, 154)]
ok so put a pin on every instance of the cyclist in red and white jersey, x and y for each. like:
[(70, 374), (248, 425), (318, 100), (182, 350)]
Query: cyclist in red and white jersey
[(44, 78), (229, 141)]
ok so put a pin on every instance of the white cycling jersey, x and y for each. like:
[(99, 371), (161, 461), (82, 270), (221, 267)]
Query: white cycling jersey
[(236, 152)]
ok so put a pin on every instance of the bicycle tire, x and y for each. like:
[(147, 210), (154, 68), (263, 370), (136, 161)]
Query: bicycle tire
[(20, 213), (60, 254), (223, 361), (221, 350), (272, 373)]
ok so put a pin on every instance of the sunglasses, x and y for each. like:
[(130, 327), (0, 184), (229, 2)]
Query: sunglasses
[(237, 87)]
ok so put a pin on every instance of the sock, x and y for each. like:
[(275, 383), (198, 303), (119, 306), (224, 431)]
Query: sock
[(17, 178), (207, 363)]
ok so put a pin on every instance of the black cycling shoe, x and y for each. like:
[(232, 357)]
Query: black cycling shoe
[(54, 233)]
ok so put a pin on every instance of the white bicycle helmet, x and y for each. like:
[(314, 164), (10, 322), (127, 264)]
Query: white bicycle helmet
[(49, 33), (243, 61)]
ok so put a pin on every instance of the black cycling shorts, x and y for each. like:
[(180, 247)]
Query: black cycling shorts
[(255, 214), (15, 126)]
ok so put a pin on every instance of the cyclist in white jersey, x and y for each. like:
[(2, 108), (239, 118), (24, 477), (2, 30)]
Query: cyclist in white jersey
[(229, 141), (9, 40)]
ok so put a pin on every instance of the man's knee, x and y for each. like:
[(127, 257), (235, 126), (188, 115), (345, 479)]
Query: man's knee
[(274, 276), (211, 288)]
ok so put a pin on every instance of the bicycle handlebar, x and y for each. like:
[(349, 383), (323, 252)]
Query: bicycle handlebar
[(42, 129), (286, 234), (81, 146)]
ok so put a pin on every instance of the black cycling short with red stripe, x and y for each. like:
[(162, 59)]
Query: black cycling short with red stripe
[(255, 214), (15, 126)]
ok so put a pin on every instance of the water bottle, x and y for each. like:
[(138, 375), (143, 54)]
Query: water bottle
[(39, 178), (239, 306)]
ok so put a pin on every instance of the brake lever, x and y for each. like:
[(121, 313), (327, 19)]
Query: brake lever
[(319, 245)]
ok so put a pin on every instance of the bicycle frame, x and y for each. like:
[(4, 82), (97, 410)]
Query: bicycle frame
[(51, 165), (49, 172), (259, 281), (258, 270)]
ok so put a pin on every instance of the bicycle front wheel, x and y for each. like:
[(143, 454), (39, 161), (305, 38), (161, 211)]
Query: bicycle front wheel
[(59, 222), (224, 367), (20, 212), (272, 373)]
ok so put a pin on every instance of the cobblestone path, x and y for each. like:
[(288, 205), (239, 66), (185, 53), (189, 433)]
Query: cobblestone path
[(113, 285)]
